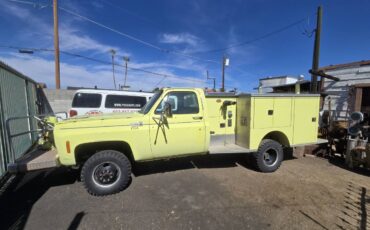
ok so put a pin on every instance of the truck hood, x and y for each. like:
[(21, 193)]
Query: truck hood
[(103, 116), (110, 119)]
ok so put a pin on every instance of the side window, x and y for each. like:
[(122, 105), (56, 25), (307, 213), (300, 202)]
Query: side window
[(124, 102), (181, 103), (86, 100), (168, 98)]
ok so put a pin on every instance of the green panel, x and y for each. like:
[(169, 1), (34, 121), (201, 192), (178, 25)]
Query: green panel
[(2, 143), (18, 97), (32, 107), (14, 104)]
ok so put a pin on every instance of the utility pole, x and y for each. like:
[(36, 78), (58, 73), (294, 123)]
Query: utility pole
[(56, 44), (113, 52), (316, 51), (212, 78), (126, 59), (225, 62)]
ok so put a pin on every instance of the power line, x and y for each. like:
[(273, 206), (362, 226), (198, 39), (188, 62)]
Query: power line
[(115, 6), (160, 81), (34, 4), (179, 53), (136, 39), (151, 45), (162, 49), (104, 62), (111, 29), (255, 39)]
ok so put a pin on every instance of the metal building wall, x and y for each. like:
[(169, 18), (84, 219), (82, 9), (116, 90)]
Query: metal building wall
[(339, 92), (17, 98), (2, 144)]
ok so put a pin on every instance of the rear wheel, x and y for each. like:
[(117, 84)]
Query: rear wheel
[(269, 156), (106, 172)]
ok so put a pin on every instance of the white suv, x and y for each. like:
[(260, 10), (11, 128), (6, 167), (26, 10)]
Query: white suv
[(92, 101)]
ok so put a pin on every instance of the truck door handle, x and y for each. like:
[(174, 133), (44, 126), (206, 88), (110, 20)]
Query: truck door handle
[(197, 117)]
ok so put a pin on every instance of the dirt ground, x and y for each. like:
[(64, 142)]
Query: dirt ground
[(212, 192)]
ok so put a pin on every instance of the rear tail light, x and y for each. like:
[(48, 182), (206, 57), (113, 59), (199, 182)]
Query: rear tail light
[(72, 113)]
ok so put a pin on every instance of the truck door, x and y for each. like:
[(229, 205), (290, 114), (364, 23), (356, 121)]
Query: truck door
[(184, 132)]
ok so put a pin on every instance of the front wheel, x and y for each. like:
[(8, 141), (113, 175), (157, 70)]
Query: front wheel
[(106, 172), (269, 156)]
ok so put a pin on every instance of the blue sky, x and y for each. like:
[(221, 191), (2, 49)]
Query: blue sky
[(187, 28)]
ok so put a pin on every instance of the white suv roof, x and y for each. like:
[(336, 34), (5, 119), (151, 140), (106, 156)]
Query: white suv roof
[(117, 92)]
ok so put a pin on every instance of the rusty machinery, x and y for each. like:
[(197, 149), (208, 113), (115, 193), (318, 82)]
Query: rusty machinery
[(358, 147)]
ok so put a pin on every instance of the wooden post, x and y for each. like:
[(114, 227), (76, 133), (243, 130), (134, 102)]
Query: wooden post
[(223, 74), (56, 45), (316, 51)]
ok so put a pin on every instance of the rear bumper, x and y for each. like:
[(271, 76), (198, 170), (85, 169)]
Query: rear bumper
[(35, 160), (318, 142)]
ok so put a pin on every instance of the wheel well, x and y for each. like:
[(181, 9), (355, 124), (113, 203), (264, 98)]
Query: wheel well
[(279, 137), (84, 151)]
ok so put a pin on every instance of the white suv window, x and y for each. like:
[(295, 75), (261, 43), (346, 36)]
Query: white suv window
[(86, 100), (124, 102)]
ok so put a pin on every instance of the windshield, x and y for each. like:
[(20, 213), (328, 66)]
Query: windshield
[(151, 102)]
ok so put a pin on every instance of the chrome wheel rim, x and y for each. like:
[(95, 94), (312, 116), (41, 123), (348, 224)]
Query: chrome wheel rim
[(106, 174), (270, 157)]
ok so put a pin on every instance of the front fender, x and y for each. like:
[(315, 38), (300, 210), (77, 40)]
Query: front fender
[(137, 138)]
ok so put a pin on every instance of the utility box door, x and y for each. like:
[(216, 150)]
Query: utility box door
[(263, 112), (282, 112), (306, 112)]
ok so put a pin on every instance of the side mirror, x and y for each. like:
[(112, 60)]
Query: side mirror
[(167, 110)]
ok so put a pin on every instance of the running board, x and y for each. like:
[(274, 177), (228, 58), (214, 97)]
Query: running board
[(34, 161), (228, 148)]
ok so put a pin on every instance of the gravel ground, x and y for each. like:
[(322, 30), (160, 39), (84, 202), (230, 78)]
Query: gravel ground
[(211, 192)]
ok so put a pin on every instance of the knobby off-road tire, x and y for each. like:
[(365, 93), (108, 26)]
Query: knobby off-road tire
[(269, 156), (106, 172)]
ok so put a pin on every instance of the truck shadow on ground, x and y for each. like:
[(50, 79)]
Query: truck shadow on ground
[(18, 199), (203, 161), (24, 191)]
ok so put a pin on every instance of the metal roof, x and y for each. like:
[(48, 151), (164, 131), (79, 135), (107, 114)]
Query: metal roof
[(278, 77), (284, 85), (291, 84), (346, 65)]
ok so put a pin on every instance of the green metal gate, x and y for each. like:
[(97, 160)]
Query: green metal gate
[(18, 98)]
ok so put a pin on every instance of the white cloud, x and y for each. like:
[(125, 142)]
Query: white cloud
[(73, 40), (181, 38), (42, 70), (97, 4), (37, 30), (71, 37)]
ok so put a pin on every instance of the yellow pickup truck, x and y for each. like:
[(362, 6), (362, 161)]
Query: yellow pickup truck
[(180, 122)]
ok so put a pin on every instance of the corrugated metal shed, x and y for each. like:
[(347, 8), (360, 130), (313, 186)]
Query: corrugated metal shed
[(18, 98), (339, 99)]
